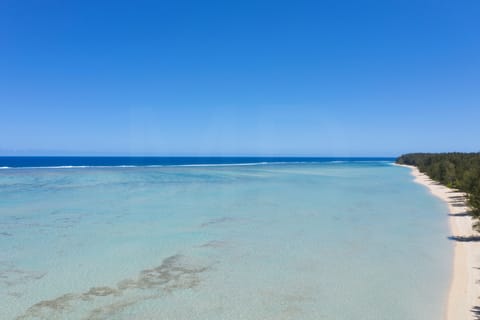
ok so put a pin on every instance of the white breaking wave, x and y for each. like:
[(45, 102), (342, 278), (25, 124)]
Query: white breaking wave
[(65, 167), (161, 165), (222, 164), (203, 164)]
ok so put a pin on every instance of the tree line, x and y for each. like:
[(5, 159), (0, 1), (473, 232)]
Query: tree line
[(455, 170)]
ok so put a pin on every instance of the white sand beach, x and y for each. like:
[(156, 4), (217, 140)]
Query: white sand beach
[(463, 298)]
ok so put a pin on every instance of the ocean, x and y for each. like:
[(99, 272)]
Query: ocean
[(219, 238)]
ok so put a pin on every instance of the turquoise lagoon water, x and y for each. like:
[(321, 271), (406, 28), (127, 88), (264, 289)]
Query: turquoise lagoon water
[(351, 240)]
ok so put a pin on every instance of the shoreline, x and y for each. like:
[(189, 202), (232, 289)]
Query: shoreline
[(462, 302)]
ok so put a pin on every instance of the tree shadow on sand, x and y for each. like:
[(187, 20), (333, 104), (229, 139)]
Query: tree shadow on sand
[(461, 214), (458, 204), (464, 239), (476, 312)]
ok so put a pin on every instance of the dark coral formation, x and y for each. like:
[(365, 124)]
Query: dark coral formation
[(172, 274), (216, 221)]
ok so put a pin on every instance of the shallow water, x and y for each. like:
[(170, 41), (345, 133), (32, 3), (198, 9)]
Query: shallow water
[(286, 241)]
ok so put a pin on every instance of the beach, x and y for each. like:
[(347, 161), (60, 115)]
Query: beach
[(463, 302)]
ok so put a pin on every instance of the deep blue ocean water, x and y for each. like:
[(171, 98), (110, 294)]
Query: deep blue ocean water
[(21, 162), (270, 239)]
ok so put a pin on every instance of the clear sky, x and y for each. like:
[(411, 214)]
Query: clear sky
[(327, 78)]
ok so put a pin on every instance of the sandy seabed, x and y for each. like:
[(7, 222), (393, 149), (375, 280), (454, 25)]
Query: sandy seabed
[(463, 298)]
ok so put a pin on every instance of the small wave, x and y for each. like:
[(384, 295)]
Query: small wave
[(66, 167), (49, 167), (223, 164)]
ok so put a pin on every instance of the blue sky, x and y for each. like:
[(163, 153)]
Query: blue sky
[(327, 78)]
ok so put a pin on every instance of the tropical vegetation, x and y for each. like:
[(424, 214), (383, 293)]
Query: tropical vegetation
[(455, 170)]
